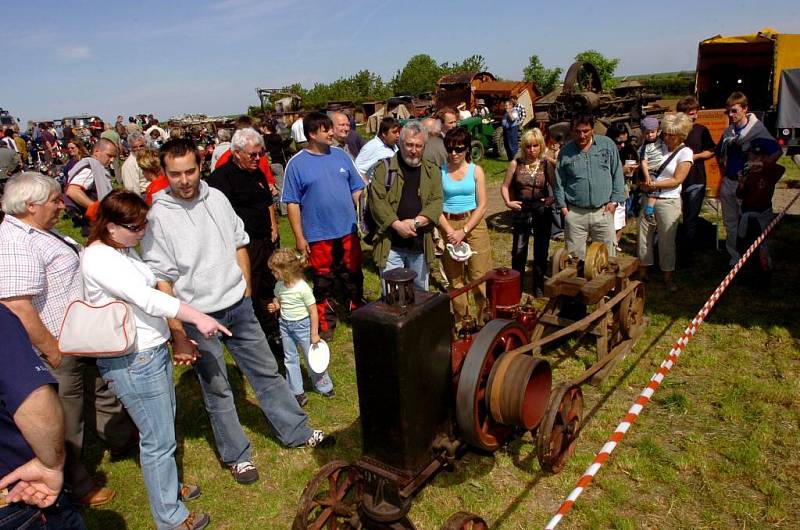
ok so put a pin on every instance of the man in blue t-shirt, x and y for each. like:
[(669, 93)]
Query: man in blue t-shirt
[(321, 188), (31, 438)]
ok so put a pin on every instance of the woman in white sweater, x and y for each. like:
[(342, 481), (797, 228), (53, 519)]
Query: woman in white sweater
[(142, 380)]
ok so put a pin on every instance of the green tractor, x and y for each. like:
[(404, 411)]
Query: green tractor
[(471, 88), (486, 138)]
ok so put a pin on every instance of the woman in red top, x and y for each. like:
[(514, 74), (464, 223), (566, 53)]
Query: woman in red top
[(150, 165)]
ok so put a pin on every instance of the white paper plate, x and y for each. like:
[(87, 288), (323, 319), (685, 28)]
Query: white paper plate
[(319, 356)]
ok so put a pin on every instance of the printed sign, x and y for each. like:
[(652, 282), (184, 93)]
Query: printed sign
[(716, 121)]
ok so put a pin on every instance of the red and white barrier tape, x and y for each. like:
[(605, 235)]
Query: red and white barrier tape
[(658, 377)]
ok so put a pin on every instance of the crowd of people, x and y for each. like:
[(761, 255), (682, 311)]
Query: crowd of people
[(199, 261)]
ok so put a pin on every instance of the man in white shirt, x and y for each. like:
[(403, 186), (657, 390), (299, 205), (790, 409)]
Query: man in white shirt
[(298, 135), (132, 176), (384, 145)]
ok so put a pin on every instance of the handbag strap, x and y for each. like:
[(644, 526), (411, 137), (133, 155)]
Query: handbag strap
[(667, 161), (64, 240)]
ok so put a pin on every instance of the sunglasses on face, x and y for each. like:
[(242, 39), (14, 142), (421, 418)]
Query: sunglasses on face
[(255, 156), (457, 149), (135, 228)]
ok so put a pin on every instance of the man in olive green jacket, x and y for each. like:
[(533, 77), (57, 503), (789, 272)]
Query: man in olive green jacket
[(405, 199)]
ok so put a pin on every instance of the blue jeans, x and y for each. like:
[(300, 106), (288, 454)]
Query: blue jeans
[(60, 516), (249, 348), (511, 141), (294, 332), (415, 261), (143, 383)]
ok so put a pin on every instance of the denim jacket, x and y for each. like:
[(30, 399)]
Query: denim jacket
[(589, 179)]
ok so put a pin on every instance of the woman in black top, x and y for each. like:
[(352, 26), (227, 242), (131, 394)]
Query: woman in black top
[(525, 190)]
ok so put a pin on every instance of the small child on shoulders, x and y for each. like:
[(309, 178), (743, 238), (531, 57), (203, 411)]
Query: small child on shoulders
[(298, 321)]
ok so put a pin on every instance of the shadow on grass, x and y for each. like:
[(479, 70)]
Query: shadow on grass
[(190, 405), (99, 518), (517, 502), (766, 302), (624, 376), (501, 221)]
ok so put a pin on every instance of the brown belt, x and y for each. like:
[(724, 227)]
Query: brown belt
[(457, 216)]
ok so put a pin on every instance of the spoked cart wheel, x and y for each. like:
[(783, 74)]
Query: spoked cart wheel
[(558, 432), (631, 315), (465, 521), (330, 499)]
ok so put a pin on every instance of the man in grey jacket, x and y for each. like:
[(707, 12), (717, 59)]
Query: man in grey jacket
[(197, 247)]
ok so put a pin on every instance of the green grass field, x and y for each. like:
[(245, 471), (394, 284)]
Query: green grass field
[(719, 446)]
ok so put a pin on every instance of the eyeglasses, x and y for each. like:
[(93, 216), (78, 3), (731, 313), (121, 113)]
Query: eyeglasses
[(621, 142), (254, 156), (457, 149), (733, 111), (135, 228)]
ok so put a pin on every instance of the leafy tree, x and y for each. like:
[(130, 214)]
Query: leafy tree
[(545, 79), (473, 63), (418, 75), (605, 67), (422, 71)]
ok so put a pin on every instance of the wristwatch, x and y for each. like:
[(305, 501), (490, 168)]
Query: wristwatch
[(465, 229), (417, 224)]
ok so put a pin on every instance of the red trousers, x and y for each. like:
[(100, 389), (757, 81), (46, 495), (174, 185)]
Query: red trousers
[(336, 265)]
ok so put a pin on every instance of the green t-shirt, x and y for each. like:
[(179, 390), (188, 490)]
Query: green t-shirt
[(294, 300)]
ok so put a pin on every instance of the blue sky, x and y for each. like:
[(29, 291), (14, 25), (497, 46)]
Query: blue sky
[(172, 57)]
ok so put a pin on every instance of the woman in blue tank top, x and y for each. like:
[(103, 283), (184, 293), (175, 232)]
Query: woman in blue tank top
[(462, 219)]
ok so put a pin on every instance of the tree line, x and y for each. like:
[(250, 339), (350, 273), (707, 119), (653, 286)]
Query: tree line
[(420, 73)]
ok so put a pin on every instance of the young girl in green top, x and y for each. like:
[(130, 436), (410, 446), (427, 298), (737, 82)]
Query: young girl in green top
[(298, 321)]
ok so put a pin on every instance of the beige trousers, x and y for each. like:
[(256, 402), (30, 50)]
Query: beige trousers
[(460, 273), (581, 223)]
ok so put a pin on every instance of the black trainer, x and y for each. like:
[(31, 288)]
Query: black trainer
[(244, 472)]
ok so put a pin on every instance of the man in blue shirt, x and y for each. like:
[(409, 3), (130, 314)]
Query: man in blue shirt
[(589, 185), (31, 438), (321, 188)]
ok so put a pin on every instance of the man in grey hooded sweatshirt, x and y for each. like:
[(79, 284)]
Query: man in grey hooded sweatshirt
[(197, 248)]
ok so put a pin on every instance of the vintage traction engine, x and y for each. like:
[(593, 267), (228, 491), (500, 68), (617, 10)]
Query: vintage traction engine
[(427, 393)]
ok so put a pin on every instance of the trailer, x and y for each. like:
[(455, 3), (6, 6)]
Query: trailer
[(754, 65)]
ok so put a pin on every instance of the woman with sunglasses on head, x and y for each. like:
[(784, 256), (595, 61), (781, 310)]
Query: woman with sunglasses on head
[(464, 207), (142, 380), (526, 191)]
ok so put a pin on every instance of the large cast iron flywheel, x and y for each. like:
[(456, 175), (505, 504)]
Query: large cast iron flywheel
[(475, 422)]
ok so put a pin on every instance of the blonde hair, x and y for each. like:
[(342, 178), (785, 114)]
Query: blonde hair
[(530, 137), (288, 263), (148, 161), (676, 123)]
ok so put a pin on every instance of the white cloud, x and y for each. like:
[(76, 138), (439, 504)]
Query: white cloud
[(75, 52)]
